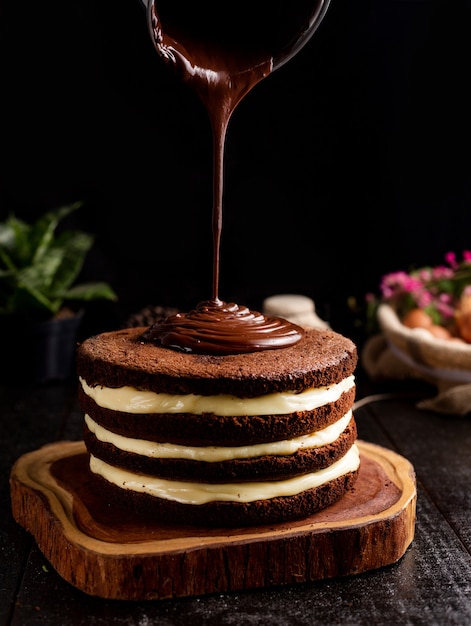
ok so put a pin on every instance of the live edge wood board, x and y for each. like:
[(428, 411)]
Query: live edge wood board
[(114, 554)]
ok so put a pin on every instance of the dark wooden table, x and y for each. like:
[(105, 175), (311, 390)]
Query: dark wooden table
[(430, 584)]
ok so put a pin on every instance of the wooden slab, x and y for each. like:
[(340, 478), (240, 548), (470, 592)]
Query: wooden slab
[(112, 553)]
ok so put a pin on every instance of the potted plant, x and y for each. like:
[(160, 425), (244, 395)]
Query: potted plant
[(41, 305)]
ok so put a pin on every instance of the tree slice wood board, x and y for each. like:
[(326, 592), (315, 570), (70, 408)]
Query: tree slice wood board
[(111, 553)]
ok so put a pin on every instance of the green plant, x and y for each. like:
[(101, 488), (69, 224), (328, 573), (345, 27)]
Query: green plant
[(38, 267)]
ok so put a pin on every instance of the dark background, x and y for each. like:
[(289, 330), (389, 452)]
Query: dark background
[(349, 162)]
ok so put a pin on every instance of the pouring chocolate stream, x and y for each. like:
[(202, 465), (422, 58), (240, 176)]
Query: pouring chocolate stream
[(222, 51)]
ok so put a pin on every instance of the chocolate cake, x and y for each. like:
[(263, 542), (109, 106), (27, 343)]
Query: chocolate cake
[(221, 416), (249, 438)]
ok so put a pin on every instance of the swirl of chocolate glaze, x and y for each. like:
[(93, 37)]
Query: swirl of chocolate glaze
[(217, 327)]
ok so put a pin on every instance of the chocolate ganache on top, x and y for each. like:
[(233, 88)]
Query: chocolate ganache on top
[(216, 327), (222, 50)]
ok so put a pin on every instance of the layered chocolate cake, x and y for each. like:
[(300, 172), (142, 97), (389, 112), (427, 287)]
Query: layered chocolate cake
[(220, 439), (221, 416)]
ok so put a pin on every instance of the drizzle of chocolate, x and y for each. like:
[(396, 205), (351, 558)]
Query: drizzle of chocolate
[(216, 327), (221, 73)]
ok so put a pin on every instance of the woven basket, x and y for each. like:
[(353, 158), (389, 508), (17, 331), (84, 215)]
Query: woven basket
[(437, 358)]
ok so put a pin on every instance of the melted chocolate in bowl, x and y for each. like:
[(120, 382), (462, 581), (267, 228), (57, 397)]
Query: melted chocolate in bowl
[(222, 50)]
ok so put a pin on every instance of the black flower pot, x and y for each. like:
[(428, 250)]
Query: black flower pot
[(41, 351), (54, 344)]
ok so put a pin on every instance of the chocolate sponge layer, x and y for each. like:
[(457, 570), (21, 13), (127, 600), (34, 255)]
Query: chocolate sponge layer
[(120, 358), (267, 467), (229, 514), (216, 430)]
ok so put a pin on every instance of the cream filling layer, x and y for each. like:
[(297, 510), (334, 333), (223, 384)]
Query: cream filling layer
[(219, 453), (131, 400), (202, 493)]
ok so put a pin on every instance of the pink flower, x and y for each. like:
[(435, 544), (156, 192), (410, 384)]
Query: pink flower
[(450, 258), (437, 289), (425, 274), (445, 310), (393, 283), (423, 299), (412, 284), (445, 298), (441, 272)]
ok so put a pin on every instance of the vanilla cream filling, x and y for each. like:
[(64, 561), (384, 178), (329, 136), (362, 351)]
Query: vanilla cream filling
[(201, 493), (131, 400), (219, 453)]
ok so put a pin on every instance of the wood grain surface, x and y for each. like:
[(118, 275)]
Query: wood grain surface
[(112, 553)]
